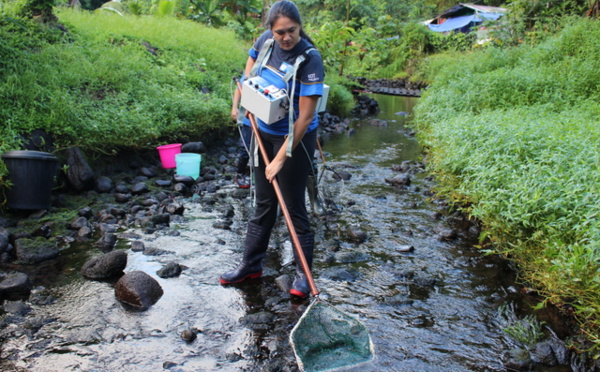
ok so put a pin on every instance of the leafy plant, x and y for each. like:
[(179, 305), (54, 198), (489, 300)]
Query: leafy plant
[(513, 137), (525, 331)]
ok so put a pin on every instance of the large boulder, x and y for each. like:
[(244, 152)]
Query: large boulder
[(107, 266), (79, 173), (138, 290)]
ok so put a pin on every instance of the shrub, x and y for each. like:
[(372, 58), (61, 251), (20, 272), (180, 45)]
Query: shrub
[(340, 101)]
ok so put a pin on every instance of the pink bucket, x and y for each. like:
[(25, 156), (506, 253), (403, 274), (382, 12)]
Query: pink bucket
[(167, 154)]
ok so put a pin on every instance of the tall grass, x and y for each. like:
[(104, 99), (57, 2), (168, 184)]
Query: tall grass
[(513, 135), (123, 81)]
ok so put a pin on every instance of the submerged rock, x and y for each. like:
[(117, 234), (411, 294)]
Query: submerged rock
[(402, 179), (340, 274), (170, 270), (138, 290)]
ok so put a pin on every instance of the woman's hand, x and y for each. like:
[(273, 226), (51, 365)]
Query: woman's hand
[(234, 113), (273, 168)]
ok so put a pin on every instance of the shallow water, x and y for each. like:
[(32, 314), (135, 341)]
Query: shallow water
[(434, 308)]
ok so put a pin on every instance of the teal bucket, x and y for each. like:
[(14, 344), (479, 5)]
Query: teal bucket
[(188, 164)]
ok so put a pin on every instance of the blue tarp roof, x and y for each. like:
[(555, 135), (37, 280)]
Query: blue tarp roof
[(460, 22)]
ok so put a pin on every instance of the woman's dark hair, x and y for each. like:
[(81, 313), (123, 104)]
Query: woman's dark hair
[(286, 8)]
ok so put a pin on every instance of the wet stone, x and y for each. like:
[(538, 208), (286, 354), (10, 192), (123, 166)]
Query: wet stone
[(212, 188), (16, 308), (108, 228), (398, 300), (137, 246), (31, 251), (180, 187), (85, 232), (224, 224), (175, 208), (402, 179), (41, 299), (544, 353), (349, 257), (378, 123), (86, 212), (260, 320), (340, 274), (284, 282), (154, 251), (356, 236), (169, 365), (170, 270), (122, 197), (161, 195), (104, 185), (80, 222), (517, 359), (148, 172), (405, 248), (342, 176), (446, 233), (106, 266), (139, 188), (186, 180), (149, 202), (173, 233), (106, 243), (138, 290), (189, 335), (196, 147), (15, 285), (122, 188)]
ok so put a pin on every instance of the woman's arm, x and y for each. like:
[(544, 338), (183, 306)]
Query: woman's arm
[(249, 65), (237, 95), (308, 105)]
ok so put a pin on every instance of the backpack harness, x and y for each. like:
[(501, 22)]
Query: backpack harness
[(263, 57)]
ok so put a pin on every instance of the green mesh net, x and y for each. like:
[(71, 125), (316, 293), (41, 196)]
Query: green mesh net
[(325, 339)]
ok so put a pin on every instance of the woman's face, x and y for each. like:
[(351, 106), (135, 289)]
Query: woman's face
[(286, 33)]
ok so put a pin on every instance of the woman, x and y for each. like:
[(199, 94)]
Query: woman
[(285, 27)]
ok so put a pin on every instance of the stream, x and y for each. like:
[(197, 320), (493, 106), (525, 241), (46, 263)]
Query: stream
[(392, 256)]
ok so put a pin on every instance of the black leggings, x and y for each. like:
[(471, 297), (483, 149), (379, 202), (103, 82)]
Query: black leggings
[(292, 182)]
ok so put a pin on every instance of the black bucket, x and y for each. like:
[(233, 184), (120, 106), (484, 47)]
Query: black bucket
[(32, 176)]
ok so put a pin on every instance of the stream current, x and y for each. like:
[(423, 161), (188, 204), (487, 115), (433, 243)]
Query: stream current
[(429, 298)]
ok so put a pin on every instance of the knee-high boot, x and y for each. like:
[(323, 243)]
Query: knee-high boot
[(300, 287), (257, 241)]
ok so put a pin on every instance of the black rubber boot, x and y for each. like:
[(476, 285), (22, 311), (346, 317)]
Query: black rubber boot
[(313, 195), (300, 287), (257, 241)]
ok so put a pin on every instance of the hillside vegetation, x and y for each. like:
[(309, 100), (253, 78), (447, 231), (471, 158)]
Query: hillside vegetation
[(112, 81), (513, 135)]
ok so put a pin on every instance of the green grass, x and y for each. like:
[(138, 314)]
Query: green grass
[(513, 136), (123, 81)]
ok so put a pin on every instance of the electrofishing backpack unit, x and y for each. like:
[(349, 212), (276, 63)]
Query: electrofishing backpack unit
[(269, 103)]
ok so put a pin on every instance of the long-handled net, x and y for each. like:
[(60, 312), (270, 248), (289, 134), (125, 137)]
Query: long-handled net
[(325, 339)]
